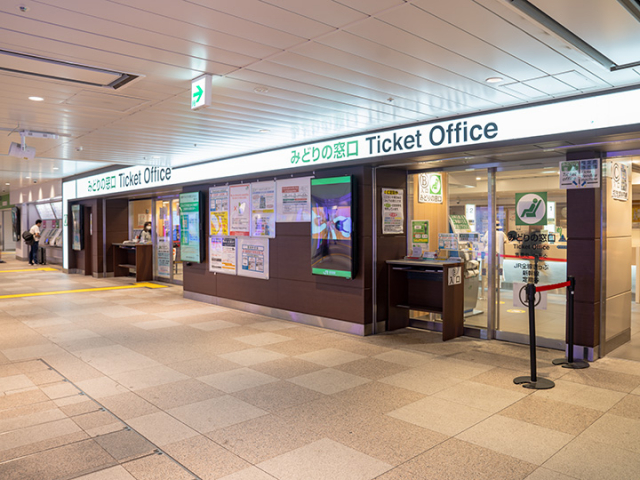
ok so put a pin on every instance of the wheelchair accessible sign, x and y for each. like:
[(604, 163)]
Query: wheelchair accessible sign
[(531, 208)]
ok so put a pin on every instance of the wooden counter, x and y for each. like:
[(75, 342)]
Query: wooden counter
[(133, 257)]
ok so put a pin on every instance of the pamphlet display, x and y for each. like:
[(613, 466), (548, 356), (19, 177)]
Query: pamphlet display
[(219, 211), (332, 227), (190, 228), (240, 210), (294, 200), (263, 209), (222, 255), (253, 257), (392, 211)]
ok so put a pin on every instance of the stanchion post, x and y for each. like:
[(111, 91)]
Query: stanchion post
[(533, 381), (569, 362)]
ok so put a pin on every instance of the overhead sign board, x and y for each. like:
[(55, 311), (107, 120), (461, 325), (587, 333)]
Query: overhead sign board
[(201, 92), (580, 174)]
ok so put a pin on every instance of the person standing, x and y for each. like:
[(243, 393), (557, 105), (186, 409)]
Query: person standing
[(33, 253)]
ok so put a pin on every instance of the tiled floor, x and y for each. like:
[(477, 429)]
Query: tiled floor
[(143, 385)]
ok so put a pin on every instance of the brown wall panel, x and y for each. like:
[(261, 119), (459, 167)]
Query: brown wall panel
[(583, 262), (250, 290)]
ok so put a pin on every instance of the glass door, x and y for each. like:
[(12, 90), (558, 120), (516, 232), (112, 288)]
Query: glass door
[(163, 261), (175, 237)]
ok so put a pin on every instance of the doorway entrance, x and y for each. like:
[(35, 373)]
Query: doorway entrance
[(167, 263)]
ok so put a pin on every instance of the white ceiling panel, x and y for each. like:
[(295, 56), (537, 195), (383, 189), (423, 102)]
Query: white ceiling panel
[(604, 24), (303, 70)]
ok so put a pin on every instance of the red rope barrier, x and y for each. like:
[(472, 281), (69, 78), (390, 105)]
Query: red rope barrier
[(552, 287)]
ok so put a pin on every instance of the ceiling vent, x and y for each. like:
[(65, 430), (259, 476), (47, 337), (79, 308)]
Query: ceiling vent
[(42, 67)]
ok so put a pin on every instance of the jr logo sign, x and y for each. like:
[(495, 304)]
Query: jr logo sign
[(531, 208)]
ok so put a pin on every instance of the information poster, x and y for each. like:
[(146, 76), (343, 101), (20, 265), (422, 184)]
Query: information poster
[(222, 255), (253, 257), (164, 257), (459, 224), (448, 241), (420, 234), (294, 200), (392, 211), (263, 209), (430, 188), (240, 210), (77, 242), (219, 211), (580, 174), (619, 181), (190, 250)]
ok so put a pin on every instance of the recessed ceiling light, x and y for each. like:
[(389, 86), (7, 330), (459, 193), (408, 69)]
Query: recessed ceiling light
[(156, 157), (264, 130), (261, 89), (27, 177), (36, 99), (56, 168), (494, 79), (550, 172), (7, 183), (478, 178)]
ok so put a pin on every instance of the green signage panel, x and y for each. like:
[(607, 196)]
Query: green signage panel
[(531, 208)]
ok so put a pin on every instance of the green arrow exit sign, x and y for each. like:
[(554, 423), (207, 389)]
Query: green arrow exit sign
[(201, 92)]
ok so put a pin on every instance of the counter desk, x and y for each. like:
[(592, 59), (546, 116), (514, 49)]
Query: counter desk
[(133, 257), (435, 286)]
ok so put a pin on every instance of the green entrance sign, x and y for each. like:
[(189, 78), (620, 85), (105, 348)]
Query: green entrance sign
[(198, 94), (531, 208)]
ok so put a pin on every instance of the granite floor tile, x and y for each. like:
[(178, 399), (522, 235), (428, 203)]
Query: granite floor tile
[(456, 459), (588, 460), (236, 380), (68, 461), (113, 473), (125, 445), (251, 473), (37, 433), (199, 367), (328, 381), (148, 377), (252, 356), (406, 358), (481, 396), (156, 324), (262, 339), (206, 458), (371, 368), (322, 460), (176, 394), (552, 414), (376, 397), (542, 473), (330, 357), (616, 431), (115, 359), (518, 439), (502, 378), (273, 325), (628, 407), (422, 380), (128, 405), (262, 438), (213, 325), (215, 413), (15, 382), (101, 387), (161, 428), (582, 395), (287, 367), (25, 420), (620, 382), (277, 396), (440, 415), (156, 467), (92, 420)]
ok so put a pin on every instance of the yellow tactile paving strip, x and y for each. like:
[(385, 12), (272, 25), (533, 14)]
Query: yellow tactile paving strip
[(26, 270), (83, 290)]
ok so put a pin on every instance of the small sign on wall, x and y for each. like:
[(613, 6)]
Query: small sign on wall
[(455, 276), (619, 181), (430, 188)]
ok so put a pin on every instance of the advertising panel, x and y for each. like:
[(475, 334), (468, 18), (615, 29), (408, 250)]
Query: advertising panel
[(240, 210), (332, 227), (222, 255), (263, 209), (219, 211), (253, 256), (294, 200), (190, 228)]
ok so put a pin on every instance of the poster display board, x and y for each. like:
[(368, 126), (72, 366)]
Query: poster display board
[(253, 257), (392, 211), (620, 181), (420, 235), (293, 200), (580, 174), (222, 255), (190, 228), (240, 210), (164, 257), (459, 224), (219, 211), (263, 209), (332, 227)]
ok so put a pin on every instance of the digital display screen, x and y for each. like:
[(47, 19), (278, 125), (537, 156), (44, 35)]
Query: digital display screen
[(45, 212), (332, 227), (57, 209), (191, 244)]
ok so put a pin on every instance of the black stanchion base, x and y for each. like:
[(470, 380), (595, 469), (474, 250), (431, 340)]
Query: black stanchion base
[(539, 384), (576, 364)]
